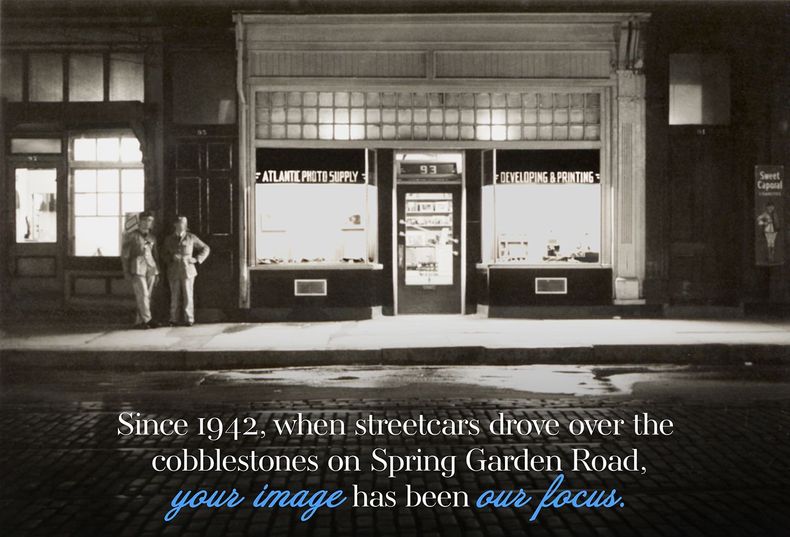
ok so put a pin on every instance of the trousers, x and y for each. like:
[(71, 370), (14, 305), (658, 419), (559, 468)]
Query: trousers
[(143, 286), (182, 298)]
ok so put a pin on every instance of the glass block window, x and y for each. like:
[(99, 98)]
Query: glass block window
[(345, 115)]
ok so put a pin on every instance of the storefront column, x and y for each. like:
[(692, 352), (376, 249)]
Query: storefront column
[(629, 254)]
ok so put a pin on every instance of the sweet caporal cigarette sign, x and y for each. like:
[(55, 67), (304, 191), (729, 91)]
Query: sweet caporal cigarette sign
[(769, 215)]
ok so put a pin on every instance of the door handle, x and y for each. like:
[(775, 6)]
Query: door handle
[(402, 222), (455, 252)]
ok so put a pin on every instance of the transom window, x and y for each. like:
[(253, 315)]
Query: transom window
[(86, 76), (699, 89), (108, 182), (344, 115)]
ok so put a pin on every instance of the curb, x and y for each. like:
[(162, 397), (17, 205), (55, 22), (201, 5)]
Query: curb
[(192, 360)]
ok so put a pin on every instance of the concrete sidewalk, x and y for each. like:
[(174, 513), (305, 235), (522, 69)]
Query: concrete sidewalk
[(440, 340)]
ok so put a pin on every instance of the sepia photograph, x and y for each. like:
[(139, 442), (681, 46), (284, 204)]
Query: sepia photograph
[(328, 268)]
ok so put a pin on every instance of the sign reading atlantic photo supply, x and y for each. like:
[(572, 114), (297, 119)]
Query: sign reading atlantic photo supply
[(310, 166), (769, 215), (547, 167)]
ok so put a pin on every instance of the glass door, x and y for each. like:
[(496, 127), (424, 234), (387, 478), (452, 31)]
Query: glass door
[(429, 248), (34, 245)]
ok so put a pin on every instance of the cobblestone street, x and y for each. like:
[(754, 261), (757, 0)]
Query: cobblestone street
[(724, 471)]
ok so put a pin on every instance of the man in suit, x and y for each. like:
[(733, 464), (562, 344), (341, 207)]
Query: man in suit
[(183, 251), (138, 256)]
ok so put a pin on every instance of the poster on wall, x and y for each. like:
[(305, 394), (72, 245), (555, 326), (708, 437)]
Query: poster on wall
[(769, 215), (310, 166)]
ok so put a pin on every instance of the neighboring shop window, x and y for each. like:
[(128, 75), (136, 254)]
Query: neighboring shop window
[(126, 77), (315, 206), (542, 207), (344, 115), (46, 80), (699, 89), (12, 66), (108, 182), (86, 77), (36, 205), (45, 77)]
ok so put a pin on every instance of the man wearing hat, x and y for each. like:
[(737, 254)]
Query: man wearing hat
[(183, 251), (138, 256)]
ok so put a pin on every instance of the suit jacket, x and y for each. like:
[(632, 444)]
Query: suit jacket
[(179, 251), (139, 254)]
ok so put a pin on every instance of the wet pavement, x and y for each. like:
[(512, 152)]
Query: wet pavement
[(724, 470)]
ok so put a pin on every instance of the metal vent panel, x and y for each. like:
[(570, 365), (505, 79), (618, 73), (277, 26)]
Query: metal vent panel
[(551, 286), (309, 287)]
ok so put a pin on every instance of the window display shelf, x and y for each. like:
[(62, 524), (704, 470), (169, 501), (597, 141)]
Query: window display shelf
[(547, 265), (319, 266)]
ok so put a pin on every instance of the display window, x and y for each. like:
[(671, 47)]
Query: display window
[(36, 205), (542, 207), (315, 206)]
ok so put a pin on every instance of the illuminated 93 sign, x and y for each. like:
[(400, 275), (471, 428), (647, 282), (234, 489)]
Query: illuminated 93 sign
[(417, 168)]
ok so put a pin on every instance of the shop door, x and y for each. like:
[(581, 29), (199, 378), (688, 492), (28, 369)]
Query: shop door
[(35, 244), (704, 195), (203, 176), (429, 248)]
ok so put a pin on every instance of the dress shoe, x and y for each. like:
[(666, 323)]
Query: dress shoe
[(152, 324), (141, 326), (188, 323)]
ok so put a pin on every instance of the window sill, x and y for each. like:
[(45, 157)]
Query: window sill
[(541, 266), (319, 266)]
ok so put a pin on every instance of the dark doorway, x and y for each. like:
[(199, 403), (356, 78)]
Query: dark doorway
[(705, 246), (202, 179)]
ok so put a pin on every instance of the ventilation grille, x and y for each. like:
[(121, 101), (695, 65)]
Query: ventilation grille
[(551, 286), (309, 287)]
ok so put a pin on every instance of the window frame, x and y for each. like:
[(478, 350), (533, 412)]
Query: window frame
[(370, 226), (73, 165), (492, 257), (65, 55)]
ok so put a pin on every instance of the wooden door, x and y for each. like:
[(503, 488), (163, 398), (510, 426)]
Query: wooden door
[(705, 246), (203, 188)]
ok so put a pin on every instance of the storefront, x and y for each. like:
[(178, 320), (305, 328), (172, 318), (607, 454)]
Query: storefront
[(544, 231), (315, 229), (440, 164), (80, 153)]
